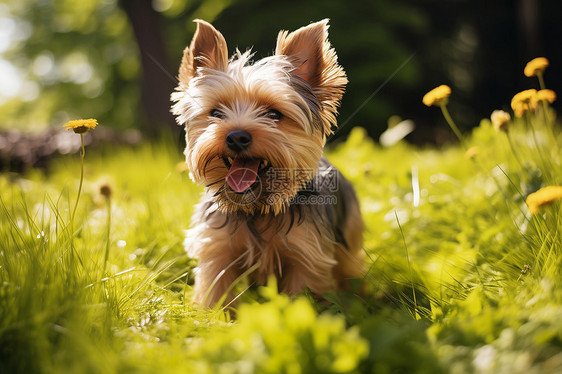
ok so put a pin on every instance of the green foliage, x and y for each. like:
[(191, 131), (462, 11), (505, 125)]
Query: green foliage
[(81, 60), (88, 67), (372, 39), (282, 336), (92, 64), (462, 278)]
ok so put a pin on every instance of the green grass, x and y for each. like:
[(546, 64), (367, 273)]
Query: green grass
[(461, 280)]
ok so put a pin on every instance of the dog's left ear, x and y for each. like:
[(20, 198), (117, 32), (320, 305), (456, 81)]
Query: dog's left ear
[(315, 61), (207, 49)]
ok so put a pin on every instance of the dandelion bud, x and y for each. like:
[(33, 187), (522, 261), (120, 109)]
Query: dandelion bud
[(105, 191), (500, 119)]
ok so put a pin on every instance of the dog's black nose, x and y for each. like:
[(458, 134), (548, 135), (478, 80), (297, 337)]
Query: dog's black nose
[(238, 140)]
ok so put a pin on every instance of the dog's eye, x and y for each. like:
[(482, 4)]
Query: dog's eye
[(274, 115), (217, 114)]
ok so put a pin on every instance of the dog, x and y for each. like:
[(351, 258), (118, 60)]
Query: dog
[(255, 133)]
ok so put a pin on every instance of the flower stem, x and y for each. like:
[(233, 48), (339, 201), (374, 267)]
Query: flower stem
[(451, 123), (537, 144), (546, 115), (82, 154), (541, 81), (545, 106), (514, 150), (108, 241)]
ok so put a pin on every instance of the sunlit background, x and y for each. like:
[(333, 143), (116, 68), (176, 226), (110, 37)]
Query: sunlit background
[(462, 239), (116, 60)]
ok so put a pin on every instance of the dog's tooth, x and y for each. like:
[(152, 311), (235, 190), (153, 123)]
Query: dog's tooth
[(230, 160), (265, 163)]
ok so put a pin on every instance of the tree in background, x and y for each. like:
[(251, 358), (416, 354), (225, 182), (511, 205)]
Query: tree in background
[(116, 60), (74, 60)]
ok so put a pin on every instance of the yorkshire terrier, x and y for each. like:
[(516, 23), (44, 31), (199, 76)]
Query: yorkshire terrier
[(255, 132)]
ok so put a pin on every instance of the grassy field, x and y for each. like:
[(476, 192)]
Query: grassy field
[(462, 277)]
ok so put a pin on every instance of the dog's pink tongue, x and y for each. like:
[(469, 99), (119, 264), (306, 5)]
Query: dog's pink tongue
[(242, 174)]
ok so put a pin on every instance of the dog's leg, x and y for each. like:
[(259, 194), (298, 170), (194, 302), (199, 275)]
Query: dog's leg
[(211, 243), (212, 282), (350, 257), (349, 250), (308, 262)]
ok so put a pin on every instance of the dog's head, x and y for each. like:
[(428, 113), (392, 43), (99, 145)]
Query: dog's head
[(255, 131)]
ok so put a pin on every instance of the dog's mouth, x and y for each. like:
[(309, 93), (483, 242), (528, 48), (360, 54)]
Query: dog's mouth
[(243, 173)]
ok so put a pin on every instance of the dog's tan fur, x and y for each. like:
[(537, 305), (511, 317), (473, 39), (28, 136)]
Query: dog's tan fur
[(232, 232)]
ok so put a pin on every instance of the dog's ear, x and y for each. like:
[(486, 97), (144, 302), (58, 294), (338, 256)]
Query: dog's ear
[(207, 49), (315, 60)]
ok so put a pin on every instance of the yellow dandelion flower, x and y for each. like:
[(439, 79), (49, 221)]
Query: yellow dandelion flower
[(546, 95), (535, 67), (500, 119), (526, 96), (524, 101), (437, 96), (543, 197), (81, 126), (519, 109)]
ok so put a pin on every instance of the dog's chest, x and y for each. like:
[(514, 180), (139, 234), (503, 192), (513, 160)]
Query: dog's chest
[(266, 246), (276, 248)]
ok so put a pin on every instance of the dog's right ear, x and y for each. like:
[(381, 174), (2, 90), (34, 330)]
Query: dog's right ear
[(207, 50)]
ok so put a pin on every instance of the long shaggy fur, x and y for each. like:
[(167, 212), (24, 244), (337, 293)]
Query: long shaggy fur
[(267, 228)]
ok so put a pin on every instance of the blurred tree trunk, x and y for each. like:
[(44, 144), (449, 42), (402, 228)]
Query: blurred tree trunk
[(529, 24), (158, 80)]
